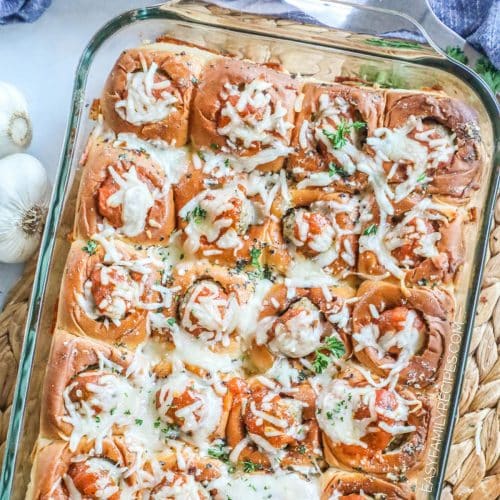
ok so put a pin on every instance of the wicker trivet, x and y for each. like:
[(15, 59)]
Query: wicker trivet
[(473, 467)]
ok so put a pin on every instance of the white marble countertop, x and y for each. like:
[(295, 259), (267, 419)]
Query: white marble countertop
[(40, 59)]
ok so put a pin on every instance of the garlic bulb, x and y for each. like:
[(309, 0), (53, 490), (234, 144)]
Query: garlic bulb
[(24, 196), (15, 124)]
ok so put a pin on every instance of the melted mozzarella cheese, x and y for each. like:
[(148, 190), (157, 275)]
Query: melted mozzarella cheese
[(141, 106), (375, 243), (407, 339), (214, 203), (174, 161), (284, 373), (225, 163), (199, 419), (72, 489), (336, 406), (246, 129), (298, 336), (107, 473), (135, 199), (411, 229), (123, 400), (308, 274), (125, 294), (264, 185), (182, 488), (249, 323), (218, 317), (278, 486), (190, 350), (316, 179)]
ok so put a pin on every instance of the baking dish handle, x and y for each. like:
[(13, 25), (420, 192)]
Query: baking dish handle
[(422, 15), (350, 25), (416, 33)]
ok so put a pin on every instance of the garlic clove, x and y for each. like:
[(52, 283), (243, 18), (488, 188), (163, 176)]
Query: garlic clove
[(24, 197), (15, 123)]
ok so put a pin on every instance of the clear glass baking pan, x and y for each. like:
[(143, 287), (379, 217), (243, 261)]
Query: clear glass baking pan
[(346, 44)]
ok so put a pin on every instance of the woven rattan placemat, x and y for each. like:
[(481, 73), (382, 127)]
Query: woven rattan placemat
[(473, 467)]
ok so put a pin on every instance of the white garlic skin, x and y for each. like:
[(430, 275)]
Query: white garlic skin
[(15, 123), (24, 197)]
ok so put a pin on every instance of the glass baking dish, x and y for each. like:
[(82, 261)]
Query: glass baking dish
[(344, 45)]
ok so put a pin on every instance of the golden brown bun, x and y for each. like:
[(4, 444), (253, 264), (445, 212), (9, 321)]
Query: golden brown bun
[(459, 177), (69, 357), (100, 156), (245, 393), (164, 369), (363, 105), (345, 220), (232, 285), (72, 317), (206, 107), (182, 70), (54, 461), (442, 268), (404, 459), (436, 308), (354, 483), (265, 235), (276, 303)]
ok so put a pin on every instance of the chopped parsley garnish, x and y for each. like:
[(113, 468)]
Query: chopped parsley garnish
[(98, 419), (336, 170), (171, 431), (90, 247), (458, 54), (267, 273), (196, 215), (422, 177), (335, 348), (339, 408), (138, 421), (219, 451), (423, 282), (112, 411), (338, 138), (255, 254), (171, 321), (194, 80), (226, 163), (214, 146), (261, 272), (249, 466), (201, 155), (490, 74), (398, 44), (302, 449), (127, 412), (320, 362), (157, 423), (372, 229)]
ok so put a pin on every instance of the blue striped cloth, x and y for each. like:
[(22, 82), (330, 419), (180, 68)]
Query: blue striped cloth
[(22, 10), (476, 20)]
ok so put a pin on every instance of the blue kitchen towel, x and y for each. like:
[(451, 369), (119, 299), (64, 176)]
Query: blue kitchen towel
[(21, 10), (478, 21)]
